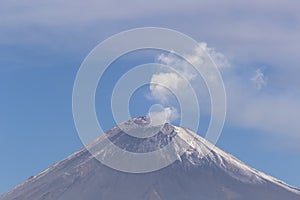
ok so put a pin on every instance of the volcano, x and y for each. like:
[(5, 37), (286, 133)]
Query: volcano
[(199, 172)]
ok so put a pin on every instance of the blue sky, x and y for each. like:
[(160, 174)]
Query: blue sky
[(42, 45)]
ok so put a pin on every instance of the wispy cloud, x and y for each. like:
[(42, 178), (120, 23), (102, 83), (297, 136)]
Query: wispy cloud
[(181, 79), (259, 79), (249, 106), (270, 37), (269, 110), (218, 58)]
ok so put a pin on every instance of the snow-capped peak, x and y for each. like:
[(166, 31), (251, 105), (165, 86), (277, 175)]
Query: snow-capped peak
[(200, 170)]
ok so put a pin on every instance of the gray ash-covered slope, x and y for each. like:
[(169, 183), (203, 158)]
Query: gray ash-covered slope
[(216, 176)]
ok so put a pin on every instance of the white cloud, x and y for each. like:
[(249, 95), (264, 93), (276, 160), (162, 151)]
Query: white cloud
[(271, 36), (259, 79), (218, 58), (163, 115), (183, 81), (185, 76), (163, 85), (275, 113)]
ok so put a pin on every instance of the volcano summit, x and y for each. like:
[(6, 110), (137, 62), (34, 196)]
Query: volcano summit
[(198, 172)]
